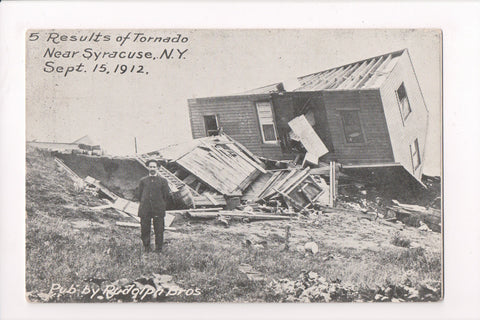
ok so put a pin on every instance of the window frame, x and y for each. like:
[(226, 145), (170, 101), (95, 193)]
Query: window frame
[(357, 111), (205, 124), (260, 123), (415, 146), (400, 105)]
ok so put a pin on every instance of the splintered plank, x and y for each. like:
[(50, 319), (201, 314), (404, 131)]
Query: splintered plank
[(234, 214), (281, 182), (137, 225), (257, 186), (268, 184), (97, 184)]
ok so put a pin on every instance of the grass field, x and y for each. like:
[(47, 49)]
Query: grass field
[(68, 243)]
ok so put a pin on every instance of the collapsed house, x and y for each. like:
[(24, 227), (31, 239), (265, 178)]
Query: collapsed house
[(369, 116), (207, 172), (285, 152)]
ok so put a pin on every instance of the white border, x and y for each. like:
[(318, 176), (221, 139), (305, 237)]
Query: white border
[(461, 25)]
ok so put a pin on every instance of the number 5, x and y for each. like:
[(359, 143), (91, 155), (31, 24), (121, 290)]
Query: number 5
[(33, 36)]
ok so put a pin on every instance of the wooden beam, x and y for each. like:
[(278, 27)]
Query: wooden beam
[(137, 225), (233, 214)]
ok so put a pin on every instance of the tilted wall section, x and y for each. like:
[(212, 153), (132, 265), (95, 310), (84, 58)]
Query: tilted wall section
[(404, 132), (376, 147)]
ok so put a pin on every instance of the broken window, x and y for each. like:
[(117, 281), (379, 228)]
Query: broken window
[(403, 101), (211, 125), (415, 151), (265, 118), (351, 126)]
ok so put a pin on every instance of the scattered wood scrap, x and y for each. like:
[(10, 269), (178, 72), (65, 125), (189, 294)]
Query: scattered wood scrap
[(295, 186), (97, 184), (137, 225), (234, 214)]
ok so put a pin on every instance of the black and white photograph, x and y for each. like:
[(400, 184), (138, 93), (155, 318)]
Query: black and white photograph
[(223, 165)]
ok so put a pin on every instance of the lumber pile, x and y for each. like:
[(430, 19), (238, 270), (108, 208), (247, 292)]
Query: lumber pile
[(240, 215), (295, 187)]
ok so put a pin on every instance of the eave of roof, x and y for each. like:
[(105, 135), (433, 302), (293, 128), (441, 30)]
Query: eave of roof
[(364, 74)]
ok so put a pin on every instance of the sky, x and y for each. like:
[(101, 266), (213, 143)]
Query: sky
[(115, 108)]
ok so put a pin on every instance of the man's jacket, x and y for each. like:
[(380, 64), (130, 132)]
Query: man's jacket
[(154, 195)]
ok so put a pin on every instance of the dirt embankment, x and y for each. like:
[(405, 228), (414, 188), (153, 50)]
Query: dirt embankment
[(119, 175)]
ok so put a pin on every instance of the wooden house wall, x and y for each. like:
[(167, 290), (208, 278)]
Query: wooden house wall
[(403, 133), (237, 115), (376, 147)]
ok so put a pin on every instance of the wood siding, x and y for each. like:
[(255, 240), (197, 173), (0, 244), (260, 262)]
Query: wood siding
[(237, 115), (404, 133), (376, 147)]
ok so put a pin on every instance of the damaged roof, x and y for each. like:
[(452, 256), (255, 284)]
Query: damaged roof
[(364, 74), (272, 88), (219, 161)]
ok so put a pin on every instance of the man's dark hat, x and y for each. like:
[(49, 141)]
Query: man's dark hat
[(147, 163)]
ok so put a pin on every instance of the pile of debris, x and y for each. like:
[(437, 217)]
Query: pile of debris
[(218, 178), (214, 167), (360, 197), (311, 287), (296, 188)]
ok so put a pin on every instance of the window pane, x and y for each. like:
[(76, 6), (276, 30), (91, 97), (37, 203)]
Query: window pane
[(402, 93), (404, 103), (416, 154), (211, 127), (265, 117), (268, 132), (405, 107), (352, 126)]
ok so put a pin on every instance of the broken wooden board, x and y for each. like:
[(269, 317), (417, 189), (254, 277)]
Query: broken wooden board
[(309, 138), (129, 207), (137, 225), (235, 214), (169, 219), (104, 190), (184, 211)]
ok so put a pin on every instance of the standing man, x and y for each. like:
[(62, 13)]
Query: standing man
[(155, 196)]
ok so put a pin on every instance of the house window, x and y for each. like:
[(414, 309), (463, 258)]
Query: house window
[(351, 126), (211, 125), (403, 101), (265, 118), (415, 151)]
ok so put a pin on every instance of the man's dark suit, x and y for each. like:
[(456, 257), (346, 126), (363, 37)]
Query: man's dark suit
[(154, 195)]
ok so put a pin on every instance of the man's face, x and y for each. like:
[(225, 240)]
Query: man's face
[(152, 168)]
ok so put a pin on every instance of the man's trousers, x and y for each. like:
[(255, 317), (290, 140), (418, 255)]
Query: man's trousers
[(158, 228)]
